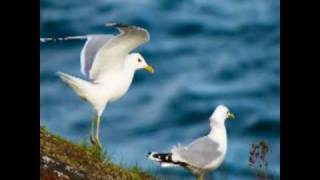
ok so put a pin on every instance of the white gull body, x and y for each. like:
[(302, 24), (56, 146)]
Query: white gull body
[(205, 153), (106, 62)]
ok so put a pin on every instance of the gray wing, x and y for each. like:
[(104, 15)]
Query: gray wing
[(111, 55), (90, 49), (130, 37), (199, 153)]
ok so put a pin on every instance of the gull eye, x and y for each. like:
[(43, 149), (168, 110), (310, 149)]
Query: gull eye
[(139, 60)]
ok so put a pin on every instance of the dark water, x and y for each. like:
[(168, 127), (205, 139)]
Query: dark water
[(204, 53)]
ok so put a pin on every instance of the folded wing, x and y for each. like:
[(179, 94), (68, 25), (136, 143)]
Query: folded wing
[(199, 153)]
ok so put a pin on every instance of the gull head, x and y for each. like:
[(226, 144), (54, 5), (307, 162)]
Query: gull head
[(137, 62), (220, 114)]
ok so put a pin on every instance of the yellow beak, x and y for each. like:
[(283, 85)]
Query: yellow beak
[(231, 115), (149, 69)]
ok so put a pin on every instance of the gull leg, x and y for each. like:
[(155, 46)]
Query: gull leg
[(93, 122), (200, 177), (97, 132)]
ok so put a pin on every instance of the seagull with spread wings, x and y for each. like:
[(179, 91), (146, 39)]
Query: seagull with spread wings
[(110, 67)]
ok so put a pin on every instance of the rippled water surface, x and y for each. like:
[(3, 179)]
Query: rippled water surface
[(204, 53)]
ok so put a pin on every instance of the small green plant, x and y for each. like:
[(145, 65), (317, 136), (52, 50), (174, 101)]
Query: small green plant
[(98, 152)]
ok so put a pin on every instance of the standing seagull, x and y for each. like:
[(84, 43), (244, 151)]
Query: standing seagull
[(203, 154), (106, 62)]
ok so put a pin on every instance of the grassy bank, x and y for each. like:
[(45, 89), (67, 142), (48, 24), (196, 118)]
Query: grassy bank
[(62, 159)]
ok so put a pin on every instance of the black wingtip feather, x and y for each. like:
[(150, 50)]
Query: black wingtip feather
[(166, 158)]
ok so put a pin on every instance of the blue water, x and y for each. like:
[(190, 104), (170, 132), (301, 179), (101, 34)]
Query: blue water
[(204, 53)]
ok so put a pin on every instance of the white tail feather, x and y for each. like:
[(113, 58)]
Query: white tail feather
[(163, 164), (79, 86)]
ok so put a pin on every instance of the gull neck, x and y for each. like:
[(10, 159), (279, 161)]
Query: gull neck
[(218, 130)]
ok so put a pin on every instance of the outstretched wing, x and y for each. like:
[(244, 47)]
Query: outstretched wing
[(90, 49), (199, 153), (111, 55)]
